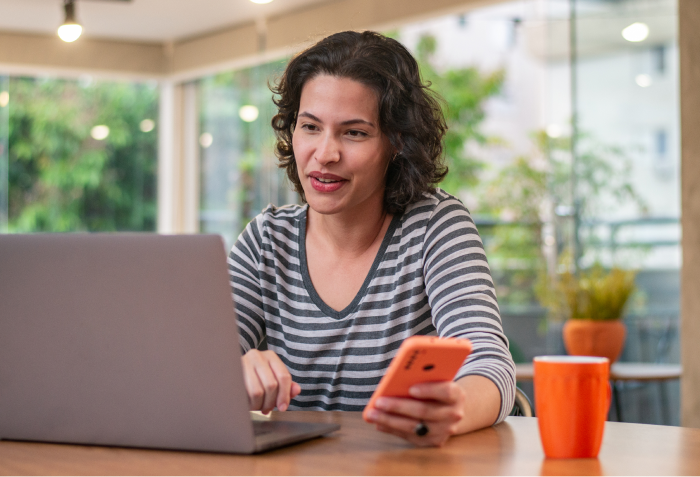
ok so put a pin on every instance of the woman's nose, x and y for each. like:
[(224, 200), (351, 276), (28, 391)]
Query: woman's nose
[(328, 151)]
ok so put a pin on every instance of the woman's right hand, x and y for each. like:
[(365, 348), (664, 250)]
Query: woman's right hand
[(267, 381)]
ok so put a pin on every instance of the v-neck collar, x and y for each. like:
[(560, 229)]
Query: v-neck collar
[(370, 275)]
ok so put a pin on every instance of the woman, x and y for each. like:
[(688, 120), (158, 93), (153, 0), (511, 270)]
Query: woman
[(376, 254)]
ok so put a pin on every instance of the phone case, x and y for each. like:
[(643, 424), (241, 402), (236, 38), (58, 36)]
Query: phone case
[(421, 359)]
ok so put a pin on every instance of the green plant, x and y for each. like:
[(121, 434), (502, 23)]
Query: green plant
[(465, 92), (594, 294), (529, 191), (63, 180)]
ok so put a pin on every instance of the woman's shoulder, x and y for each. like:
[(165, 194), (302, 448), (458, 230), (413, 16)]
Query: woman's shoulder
[(275, 219), (434, 203), (283, 213)]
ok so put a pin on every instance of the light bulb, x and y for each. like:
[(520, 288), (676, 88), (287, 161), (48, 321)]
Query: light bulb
[(4, 98), (147, 125), (260, 2), (206, 140), (643, 80), (636, 32), (248, 113), (70, 32), (71, 29), (99, 133)]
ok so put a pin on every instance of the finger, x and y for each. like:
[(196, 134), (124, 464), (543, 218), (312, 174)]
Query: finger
[(447, 392), (253, 386), (296, 390), (438, 433), (268, 380), (421, 410), (284, 382), (393, 421)]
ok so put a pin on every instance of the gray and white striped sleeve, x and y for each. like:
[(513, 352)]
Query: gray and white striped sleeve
[(463, 299), (243, 261)]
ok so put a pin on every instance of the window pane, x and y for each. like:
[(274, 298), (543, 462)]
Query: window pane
[(82, 155), (517, 114), (626, 99), (4, 133), (239, 174)]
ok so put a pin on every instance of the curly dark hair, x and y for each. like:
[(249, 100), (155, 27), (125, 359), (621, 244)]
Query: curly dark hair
[(409, 112)]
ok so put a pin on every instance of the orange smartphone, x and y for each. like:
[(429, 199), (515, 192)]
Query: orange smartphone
[(421, 359)]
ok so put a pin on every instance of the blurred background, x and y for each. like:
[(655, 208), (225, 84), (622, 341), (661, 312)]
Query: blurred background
[(563, 142)]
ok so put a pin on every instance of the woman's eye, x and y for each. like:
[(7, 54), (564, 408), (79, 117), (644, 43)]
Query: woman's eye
[(309, 127), (356, 133)]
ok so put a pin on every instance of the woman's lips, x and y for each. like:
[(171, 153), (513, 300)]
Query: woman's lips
[(326, 182)]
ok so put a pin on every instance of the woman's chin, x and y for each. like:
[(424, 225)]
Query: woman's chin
[(325, 206)]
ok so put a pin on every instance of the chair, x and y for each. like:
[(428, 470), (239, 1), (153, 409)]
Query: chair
[(522, 405)]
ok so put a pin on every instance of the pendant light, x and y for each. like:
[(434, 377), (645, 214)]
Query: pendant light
[(71, 29)]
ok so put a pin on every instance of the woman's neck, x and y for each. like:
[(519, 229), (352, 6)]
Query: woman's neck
[(349, 233)]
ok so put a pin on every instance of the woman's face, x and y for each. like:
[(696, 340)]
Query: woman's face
[(341, 153)]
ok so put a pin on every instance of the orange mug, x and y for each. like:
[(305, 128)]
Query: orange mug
[(572, 398)]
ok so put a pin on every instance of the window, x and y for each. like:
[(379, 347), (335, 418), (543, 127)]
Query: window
[(239, 174), (81, 155), (4, 136)]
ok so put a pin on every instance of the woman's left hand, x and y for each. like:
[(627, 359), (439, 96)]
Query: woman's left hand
[(446, 408), (439, 406)]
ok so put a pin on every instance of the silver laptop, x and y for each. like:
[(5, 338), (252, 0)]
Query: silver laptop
[(126, 340)]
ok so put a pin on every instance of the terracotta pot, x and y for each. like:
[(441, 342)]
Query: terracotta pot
[(595, 338)]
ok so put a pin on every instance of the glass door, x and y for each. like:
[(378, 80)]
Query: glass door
[(626, 149)]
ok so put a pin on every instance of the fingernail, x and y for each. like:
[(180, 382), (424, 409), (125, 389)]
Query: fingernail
[(414, 391), (282, 407), (382, 403), (373, 415)]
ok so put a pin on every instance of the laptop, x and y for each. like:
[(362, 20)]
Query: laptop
[(126, 340)]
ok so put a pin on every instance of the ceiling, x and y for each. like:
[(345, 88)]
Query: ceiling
[(141, 20)]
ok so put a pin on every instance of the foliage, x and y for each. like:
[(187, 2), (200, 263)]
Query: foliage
[(464, 91), (60, 178), (595, 294), (530, 190)]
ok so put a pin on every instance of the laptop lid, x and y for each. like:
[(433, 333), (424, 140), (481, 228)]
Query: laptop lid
[(121, 339)]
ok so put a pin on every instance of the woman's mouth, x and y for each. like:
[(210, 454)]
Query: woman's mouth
[(326, 182)]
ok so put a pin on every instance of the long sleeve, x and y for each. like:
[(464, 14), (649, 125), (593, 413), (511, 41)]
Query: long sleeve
[(462, 296), (244, 276)]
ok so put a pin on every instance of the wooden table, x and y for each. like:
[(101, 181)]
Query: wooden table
[(625, 372), (512, 447)]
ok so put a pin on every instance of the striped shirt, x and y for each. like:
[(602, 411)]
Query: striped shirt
[(430, 276)]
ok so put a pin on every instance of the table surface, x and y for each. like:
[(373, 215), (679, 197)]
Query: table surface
[(620, 371), (512, 447)]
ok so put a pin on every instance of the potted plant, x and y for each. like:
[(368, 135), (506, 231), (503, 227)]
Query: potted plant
[(593, 302)]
